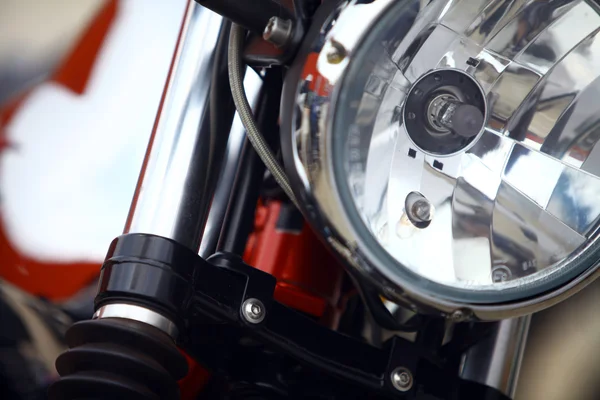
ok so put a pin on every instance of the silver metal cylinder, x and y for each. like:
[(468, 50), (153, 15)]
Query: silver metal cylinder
[(174, 191), (278, 31), (137, 313), (496, 361)]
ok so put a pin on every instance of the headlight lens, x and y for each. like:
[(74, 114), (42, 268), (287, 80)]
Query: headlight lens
[(462, 138)]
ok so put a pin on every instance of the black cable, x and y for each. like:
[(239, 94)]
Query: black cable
[(466, 335), (236, 44), (381, 315)]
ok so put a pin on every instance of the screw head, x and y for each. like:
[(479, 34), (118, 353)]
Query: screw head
[(402, 379), (278, 31), (421, 210), (336, 53), (418, 210), (460, 315), (253, 311)]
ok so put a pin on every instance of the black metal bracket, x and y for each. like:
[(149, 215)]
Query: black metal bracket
[(252, 15), (255, 15), (205, 298)]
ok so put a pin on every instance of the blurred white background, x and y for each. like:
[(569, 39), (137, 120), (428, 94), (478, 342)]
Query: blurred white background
[(69, 176)]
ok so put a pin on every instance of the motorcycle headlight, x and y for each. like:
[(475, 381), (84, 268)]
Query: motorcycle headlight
[(449, 149)]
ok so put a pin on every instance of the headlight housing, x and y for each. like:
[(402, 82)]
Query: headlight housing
[(447, 149)]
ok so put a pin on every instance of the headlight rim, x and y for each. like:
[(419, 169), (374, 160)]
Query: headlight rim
[(339, 228)]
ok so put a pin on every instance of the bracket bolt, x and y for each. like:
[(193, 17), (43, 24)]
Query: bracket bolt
[(254, 311), (402, 379), (278, 31)]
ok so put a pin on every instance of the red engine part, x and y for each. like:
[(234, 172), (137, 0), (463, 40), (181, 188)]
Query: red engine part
[(308, 276), (194, 381)]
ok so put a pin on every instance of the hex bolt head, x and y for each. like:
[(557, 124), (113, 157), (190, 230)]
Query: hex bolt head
[(402, 379), (278, 31), (253, 311)]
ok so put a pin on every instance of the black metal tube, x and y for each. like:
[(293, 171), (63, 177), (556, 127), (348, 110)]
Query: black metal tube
[(251, 14), (240, 216), (239, 219)]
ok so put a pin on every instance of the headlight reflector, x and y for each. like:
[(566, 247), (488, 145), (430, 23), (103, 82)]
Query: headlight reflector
[(459, 138)]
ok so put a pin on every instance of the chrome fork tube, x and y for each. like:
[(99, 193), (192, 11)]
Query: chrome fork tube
[(182, 163), (178, 178), (496, 360)]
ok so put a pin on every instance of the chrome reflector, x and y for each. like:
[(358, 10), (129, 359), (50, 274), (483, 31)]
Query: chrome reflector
[(395, 113)]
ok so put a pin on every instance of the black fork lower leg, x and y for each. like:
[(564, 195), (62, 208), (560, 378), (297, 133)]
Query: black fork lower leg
[(118, 358)]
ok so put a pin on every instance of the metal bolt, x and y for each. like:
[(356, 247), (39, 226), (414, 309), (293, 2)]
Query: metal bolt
[(457, 315), (278, 31), (501, 274), (460, 315), (421, 210), (254, 311), (418, 210), (336, 53), (402, 379)]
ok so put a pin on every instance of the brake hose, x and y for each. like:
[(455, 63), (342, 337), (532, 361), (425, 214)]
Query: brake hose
[(236, 46)]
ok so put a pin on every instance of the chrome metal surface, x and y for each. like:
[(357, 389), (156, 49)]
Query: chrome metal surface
[(419, 212), (438, 110), (402, 379), (278, 31), (561, 357), (137, 313), (422, 210), (496, 361), (515, 214), (454, 116), (174, 192), (254, 311)]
